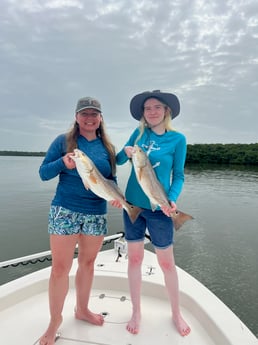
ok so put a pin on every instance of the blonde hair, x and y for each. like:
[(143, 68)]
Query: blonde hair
[(73, 134), (167, 121)]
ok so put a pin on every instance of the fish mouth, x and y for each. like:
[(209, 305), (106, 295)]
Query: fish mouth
[(77, 153), (136, 149)]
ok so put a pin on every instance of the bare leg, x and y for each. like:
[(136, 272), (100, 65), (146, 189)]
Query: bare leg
[(135, 257), (62, 248), (89, 247), (167, 264)]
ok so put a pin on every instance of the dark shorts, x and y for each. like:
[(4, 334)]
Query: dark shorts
[(62, 221), (160, 228)]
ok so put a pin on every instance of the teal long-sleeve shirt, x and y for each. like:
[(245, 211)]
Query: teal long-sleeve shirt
[(167, 154), (70, 191)]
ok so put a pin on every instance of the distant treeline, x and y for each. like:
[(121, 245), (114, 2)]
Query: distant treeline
[(240, 154), (22, 153)]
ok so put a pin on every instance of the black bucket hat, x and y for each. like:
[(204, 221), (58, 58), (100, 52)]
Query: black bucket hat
[(137, 102)]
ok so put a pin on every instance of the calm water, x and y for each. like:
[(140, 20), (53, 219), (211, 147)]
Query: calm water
[(219, 247)]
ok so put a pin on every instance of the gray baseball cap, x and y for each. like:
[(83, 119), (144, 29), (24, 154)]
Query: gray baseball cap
[(88, 102)]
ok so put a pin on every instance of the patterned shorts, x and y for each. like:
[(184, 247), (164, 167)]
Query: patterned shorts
[(62, 221)]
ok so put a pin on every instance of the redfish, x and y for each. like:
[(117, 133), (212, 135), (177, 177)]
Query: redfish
[(151, 186), (99, 185)]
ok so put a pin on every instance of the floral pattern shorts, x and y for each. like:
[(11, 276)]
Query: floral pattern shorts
[(62, 221)]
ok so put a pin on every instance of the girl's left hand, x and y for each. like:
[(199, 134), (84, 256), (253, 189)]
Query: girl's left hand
[(116, 203), (167, 210)]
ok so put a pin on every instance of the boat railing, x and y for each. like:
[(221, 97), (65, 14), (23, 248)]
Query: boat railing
[(47, 253)]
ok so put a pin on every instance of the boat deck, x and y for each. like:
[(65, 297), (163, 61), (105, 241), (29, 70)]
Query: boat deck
[(24, 314)]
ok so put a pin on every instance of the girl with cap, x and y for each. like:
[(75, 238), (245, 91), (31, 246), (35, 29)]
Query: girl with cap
[(166, 149), (77, 216)]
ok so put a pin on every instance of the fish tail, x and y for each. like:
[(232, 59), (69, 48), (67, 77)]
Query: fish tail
[(180, 218), (133, 212)]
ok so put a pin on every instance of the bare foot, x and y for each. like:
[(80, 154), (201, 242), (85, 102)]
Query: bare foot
[(181, 326), (49, 337), (133, 325), (88, 316)]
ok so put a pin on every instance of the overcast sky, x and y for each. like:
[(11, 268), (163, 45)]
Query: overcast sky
[(53, 52)]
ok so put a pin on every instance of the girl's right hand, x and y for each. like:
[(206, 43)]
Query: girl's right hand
[(68, 161)]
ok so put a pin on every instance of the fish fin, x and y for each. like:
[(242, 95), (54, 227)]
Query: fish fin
[(179, 218), (86, 185), (153, 206), (113, 184)]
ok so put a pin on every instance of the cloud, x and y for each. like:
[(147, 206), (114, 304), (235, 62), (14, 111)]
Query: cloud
[(54, 52)]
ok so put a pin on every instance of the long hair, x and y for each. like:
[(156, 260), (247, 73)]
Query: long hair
[(73, 134), (167, 122)]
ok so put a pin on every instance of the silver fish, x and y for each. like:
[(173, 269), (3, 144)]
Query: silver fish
[(151, 186), (99, 185)]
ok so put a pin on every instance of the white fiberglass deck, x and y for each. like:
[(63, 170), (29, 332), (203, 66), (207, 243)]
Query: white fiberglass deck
[(24, 312)]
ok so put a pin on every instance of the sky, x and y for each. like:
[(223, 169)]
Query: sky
[(52, 52)]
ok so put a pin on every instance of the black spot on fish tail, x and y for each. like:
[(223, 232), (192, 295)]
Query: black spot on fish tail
[(133, 212), (179, 218)]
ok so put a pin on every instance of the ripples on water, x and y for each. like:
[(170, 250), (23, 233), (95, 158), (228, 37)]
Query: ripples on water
[(219, 247)]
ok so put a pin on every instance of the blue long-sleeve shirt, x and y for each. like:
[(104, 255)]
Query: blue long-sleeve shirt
[(70, 191), (167, 153)]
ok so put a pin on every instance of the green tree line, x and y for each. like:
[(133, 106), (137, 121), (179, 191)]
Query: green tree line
[(238, 154), (22, 153)]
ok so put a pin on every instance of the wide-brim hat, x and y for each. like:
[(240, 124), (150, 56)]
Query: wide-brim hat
[(137, 102)]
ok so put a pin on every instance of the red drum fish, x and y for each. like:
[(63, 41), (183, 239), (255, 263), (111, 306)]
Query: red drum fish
[(99, 185), (151, 186)]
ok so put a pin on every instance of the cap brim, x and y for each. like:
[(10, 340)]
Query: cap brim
[(137, 102), (88, 107)]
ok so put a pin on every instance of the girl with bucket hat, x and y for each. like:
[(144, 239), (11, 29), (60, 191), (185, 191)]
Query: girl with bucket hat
[(166, 149)]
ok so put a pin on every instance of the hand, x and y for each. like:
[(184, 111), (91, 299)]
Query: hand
[(68, 161), (116, 203), (167, 210), (129, 151)]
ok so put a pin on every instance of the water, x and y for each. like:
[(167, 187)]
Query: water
[(219, 247)]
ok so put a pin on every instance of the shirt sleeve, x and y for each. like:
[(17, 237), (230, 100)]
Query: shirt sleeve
[(121, 157), (178, 170), (53, 163)]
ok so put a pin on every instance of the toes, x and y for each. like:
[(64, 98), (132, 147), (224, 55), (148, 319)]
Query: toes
[(185, 331)]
